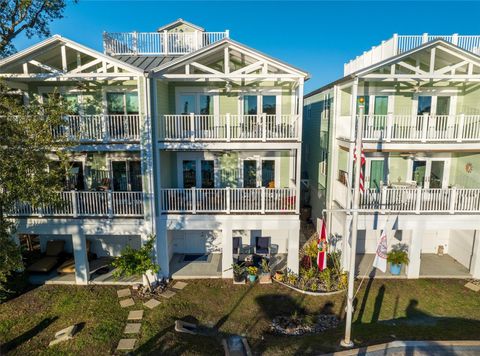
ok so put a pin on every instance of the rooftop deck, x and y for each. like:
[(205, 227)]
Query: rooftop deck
[(403, 43)]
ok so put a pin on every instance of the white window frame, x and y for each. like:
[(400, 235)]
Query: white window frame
[(197, 92), (110, 160), (259, 159), (428, 160), (368, 169), (198, 157), (115, 89)]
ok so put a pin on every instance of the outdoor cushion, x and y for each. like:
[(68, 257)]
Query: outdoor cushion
[(54, 247), (262, 245), (67, 267), (44, 265)]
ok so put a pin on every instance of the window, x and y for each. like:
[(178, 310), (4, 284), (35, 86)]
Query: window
[(73, 102), (122, 103), (208, 177), (206, 105), (424, 105), (127, 176), (250, 105), (269, 104), (196, 103), (268, 173), (443, 105), (75, 176), (189, 173), (187, 104), (323, 162), (249, 174)]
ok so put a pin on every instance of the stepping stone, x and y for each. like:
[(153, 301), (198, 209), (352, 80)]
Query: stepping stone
[(152, 303), (126, 344), (168, 294), (127, 303), (180, 285), (473, 286), (132, 328), (122, 293), (135, 315)]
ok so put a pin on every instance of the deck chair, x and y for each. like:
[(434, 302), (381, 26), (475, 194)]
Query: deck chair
[(68, 266), (52, 256), (262, 246)]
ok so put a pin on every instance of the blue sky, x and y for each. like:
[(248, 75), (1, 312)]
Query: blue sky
[(315, 36)]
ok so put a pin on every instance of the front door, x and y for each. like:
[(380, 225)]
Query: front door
[(376, 174)]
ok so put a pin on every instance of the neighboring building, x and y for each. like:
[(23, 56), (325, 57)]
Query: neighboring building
[(421, 138), (182, 133)]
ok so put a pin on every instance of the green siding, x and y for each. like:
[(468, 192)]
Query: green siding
[(458, 174), (398, 167), (284, 169), (403, 104), (228, 104)]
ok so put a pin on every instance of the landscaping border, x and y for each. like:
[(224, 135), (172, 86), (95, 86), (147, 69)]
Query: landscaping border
[(315, 294)]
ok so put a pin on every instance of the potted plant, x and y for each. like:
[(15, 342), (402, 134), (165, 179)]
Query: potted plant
[(265, 276), (397, 257), (252, 273), (279, 276), (238, 273)]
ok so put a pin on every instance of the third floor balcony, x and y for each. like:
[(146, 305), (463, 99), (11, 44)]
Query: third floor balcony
[(228, 127)]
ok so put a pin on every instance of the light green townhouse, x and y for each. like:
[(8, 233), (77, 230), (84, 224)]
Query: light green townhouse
[(181, 133), (421, 138)]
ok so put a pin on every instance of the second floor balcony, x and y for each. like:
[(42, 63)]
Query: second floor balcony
[(100, 128), (226, 128)]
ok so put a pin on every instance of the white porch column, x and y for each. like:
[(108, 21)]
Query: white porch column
[(227, 250), (161, 248), (475, 269), (414, 253), (79, 244), (293, 249)]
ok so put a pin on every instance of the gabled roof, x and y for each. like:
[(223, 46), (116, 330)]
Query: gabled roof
[(394, 59), (228, 42), (179, 22), (57, 39)]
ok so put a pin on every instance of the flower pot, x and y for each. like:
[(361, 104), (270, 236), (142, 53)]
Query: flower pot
[(395, 269), (279, 276), (265, 278), (252, 278), (238, 279)]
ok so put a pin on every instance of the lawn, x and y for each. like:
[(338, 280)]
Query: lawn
[(386, 310)]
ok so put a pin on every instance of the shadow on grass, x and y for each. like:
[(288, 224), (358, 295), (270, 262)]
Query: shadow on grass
[(27, 335)]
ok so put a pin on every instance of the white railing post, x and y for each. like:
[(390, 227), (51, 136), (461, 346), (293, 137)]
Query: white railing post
[(165, 41), (418, 200), (424, 38), (383, 199), (395, 43), (461, 123), (74, 203), (195, 41), (455, 39), (103, 124), (263, 195), (227, 33), (194, 200), (389, 126), (453, 199), (228, 200), (228, 125), (264, 127), (192, 127), (110, 203), (425, 127), (135, 42)]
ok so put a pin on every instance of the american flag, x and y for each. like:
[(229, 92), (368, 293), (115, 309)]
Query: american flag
[(362, 164)]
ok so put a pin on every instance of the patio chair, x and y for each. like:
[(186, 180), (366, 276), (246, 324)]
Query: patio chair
[(68, 266), (52, 256), (236, 248), (262, 246)]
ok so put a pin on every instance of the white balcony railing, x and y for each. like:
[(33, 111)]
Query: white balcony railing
[(100, 128), (421, 128), (228, 127), (158, 43), (228, 200), (400, 44), (419, 200), (87, 204)]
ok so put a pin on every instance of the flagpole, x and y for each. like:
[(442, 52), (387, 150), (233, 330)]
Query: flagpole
[(347, 341)]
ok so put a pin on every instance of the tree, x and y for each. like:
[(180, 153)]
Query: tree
[(136, 262), (27, 149), (29, 16)]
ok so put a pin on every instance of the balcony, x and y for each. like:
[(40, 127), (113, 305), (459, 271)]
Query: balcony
[(158, 43), (421, 128), (421, 201), (227, 128), (400, 44), (100, 128), (87, 204), (228, 200)]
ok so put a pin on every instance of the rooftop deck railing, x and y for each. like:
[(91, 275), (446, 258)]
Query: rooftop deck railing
[(228, 200), (158, 43), (400, 43), (226, 128), (86, 204)]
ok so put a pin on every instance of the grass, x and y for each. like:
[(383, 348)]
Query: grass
[(386, 310)]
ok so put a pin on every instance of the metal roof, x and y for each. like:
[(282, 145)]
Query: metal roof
[(145, 63)]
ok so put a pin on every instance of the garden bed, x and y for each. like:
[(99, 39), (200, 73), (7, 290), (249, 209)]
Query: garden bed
[(318, 294)]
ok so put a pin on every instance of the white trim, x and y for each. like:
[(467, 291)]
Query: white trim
[(197, 92)]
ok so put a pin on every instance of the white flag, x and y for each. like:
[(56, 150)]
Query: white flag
[(380, 261)]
